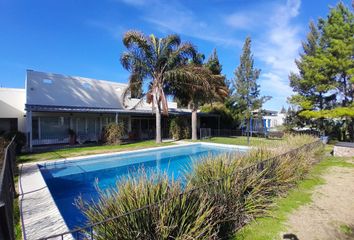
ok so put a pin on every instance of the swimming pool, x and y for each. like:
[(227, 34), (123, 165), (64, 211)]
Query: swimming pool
[(66, 180)]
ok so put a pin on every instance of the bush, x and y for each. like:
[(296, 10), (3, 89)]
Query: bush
[(227, 117), (20, 139), (192, 213), (180, 128), (223, 199), (113, 133)]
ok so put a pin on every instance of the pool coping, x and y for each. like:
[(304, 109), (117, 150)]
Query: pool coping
[(39, 214)]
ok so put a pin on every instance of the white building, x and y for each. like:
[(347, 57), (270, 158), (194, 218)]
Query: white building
[(55, 103), (273, 118), (12, 109)]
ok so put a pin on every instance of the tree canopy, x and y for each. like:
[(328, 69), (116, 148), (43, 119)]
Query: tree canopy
[(324, 83), (245, 91)]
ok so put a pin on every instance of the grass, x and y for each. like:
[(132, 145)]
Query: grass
[(254, 141), (345, 229), (271, 226), (82, 151), (17, 219)]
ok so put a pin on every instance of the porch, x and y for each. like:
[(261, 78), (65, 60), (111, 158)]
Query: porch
[(50, 125)]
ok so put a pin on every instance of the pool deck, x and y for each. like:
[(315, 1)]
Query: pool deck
[(39, 214)]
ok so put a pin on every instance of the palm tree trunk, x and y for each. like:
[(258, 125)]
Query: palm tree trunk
[(158, 116), (249, 131), (194, 123), (158, 125)]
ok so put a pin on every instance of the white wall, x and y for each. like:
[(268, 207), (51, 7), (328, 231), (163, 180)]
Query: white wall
[(275, 121), (12, 105)]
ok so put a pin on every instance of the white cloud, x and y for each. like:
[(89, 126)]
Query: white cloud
[(174, 17), (277, 49), (241, 20), (272, 82)]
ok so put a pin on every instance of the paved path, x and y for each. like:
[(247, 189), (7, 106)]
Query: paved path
[(40, 215)]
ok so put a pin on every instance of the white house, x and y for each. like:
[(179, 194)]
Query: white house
[(12, 109), (54, 103), (273, 118)]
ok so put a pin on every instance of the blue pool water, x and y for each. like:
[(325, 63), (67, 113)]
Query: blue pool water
[(67, 180)]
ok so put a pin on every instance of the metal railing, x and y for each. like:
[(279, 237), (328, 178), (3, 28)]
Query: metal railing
[(7, 192), (213, 132), (89, 231), (48, 143)]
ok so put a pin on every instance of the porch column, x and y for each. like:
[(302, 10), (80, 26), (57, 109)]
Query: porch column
[(29, 129), (129, 123), (116, 118), (100, 124)]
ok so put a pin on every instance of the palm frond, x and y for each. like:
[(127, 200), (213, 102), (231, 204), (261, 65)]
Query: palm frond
[(133, 37)]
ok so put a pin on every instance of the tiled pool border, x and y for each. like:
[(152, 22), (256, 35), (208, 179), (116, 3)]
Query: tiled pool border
[(40, 215)]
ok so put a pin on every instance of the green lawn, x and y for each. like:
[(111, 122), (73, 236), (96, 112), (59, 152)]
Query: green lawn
[(81, 151), (270, 227), (254, 141)]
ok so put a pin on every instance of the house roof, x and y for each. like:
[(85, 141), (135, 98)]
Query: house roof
[(61, 90), (50, 92), (51, 89)]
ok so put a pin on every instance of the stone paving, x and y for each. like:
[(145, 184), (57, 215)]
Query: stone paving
[(40, 215)]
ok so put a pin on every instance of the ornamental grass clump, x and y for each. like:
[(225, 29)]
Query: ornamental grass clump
[(113, 133), (186, 216), (245, 185), (236, 194)]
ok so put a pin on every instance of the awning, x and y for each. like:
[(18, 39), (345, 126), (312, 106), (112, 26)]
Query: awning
[(76, 109)]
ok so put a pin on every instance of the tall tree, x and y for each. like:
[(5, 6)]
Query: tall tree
[(213, 63), (245, 89), (324, 85), (158, 62), (208, 87), (313, 82)]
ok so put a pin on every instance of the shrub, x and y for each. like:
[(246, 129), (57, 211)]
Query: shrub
[(20, 139), (227, 118), (112, 133), (192, 213), (179, 128)]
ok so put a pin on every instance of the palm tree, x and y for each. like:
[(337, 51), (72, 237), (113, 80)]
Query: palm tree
[(204, 87), (159, 62)]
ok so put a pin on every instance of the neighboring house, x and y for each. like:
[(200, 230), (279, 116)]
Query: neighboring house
[(269, 120), (12, 110), (273, 119), (55, 103)]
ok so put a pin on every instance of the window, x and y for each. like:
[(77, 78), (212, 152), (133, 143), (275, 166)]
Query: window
[(125, 121), (35, 130), (47, 81), (54, 127), (86, 85)]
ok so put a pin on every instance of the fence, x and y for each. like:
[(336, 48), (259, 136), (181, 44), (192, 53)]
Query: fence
[(212, 132), (48, 143), (90, 231), (7, 192)]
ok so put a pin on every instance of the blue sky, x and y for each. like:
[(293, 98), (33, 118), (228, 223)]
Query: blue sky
[(83, 38)]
